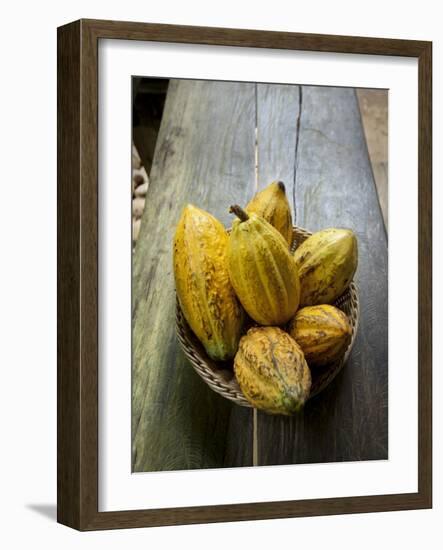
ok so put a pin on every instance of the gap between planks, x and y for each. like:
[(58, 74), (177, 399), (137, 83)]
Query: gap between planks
[(255, 458), (297, 139), (256, 138), (254, 411)]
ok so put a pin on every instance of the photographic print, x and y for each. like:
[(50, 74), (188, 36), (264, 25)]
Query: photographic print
[(231, 343), (259, 274)]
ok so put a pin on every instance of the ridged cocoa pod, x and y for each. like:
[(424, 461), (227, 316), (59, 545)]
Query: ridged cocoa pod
[(272, 205), (204, 291), (262, 270), (323, 332), (326, 262), (271, 371)]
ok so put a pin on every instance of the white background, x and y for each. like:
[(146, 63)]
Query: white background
[(118, 488), (28, 275)]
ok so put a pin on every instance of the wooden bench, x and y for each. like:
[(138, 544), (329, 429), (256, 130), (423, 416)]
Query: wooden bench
[(218, 143)]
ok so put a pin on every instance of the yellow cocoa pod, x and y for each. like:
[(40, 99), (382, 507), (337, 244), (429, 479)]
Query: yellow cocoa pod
[(205, 293), (323, 332), (326, 262), (262, 270), (271, 371), (272, 205)]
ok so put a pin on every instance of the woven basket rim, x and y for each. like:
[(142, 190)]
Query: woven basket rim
[(220, 376)]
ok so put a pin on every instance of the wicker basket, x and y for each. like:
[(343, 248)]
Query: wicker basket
[(220, 376)]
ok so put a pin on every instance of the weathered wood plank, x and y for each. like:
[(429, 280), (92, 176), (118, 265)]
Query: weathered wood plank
[(333, 187), (239, 444), (205, 155), (277, 113), (374, 113)]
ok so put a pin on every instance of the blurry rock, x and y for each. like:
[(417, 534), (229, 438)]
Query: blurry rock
[(135, 229), (139, 177), (138, 205), (141, 190)]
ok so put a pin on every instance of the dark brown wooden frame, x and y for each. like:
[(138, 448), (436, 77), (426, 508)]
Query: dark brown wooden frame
[(77, 456)]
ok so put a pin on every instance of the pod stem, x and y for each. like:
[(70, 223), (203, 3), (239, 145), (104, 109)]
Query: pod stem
[(239, 212), (281, 186)]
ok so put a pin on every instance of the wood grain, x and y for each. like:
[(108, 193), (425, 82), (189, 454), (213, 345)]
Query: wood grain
[(277, 114), (252, 38), (204, 155), (425, 274), (333, 187), (68, 275)]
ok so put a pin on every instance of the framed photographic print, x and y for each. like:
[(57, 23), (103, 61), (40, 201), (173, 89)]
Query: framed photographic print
[(244, 274)]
